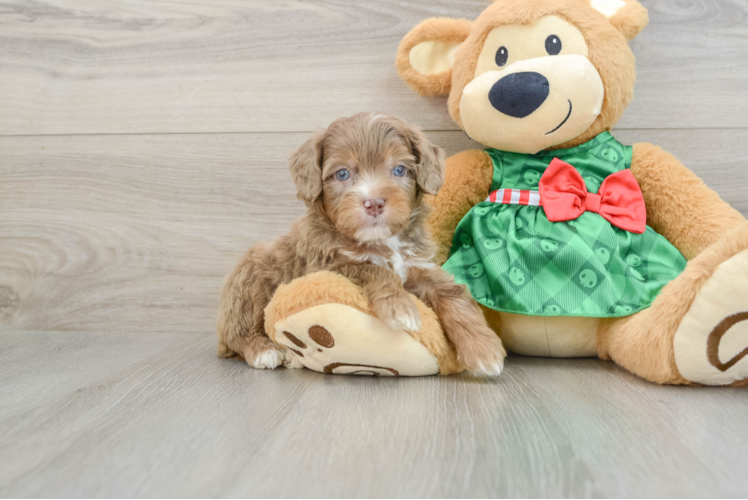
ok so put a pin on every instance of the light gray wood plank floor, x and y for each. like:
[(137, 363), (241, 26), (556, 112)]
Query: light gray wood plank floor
[(138, 414), (142, 151)]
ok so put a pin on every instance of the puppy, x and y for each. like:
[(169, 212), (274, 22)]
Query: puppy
[(363, 181)]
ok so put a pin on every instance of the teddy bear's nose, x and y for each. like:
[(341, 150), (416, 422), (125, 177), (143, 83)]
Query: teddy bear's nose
[(519, 94)]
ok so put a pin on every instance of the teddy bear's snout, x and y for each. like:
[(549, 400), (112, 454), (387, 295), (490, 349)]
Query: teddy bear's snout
[(518, 95)]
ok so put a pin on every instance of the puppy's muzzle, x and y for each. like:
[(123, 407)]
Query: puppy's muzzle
[(518, 95)]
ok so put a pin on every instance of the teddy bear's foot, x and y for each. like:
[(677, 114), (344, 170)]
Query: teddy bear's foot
[(335, 338), (326, 325), (711, 342), (695, 332)]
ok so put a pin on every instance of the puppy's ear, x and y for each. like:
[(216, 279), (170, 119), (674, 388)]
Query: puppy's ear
[(429, 160), (306, 169)]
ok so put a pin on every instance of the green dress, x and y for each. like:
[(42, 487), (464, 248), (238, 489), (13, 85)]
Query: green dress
[(513, 259)]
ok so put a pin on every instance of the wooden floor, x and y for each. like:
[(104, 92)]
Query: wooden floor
[(138, 414), (142, 150)]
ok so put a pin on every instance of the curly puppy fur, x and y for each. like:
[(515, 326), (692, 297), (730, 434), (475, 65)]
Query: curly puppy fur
[(366, 220)]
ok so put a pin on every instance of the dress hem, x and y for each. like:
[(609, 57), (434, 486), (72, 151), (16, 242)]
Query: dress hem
[(565, 315)]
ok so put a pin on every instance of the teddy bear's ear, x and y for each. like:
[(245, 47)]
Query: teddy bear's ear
[(628, 16), (426, 54)]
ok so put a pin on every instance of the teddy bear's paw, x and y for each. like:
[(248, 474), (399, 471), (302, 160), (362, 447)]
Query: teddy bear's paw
[(291, 360), (335, 338), (711, 342)]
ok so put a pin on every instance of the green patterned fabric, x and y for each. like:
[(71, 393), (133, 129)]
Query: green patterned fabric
[(513, 259)]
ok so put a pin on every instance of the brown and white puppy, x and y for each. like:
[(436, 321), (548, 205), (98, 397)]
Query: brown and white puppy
[(363, 180)]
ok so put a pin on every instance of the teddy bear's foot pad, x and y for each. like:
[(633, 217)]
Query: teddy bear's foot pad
[(335, 338), (711, 343)]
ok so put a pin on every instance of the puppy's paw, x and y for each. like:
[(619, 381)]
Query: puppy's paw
[(491, 371), (399, 312), (268, 360), (482, 352), (263, 354)]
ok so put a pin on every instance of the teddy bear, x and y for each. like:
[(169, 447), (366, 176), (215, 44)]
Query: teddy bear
[(574, 244)]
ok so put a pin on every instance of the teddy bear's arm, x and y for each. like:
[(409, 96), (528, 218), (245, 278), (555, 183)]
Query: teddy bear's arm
[(679, 205), (466, 183)]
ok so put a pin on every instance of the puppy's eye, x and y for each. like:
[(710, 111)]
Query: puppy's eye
[(398, 171), (342, 174), (553, 45), (502, 55)]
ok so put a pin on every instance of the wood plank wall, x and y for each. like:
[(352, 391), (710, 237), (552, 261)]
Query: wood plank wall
[(143, 143)]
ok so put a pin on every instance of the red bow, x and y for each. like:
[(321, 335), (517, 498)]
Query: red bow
[(619, 200)]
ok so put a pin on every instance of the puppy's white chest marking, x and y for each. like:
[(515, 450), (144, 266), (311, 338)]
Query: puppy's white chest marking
[(400, 259), (397, 260)]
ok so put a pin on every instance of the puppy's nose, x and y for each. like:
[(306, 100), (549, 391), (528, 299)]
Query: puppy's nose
[(375, 206), (519, 94)]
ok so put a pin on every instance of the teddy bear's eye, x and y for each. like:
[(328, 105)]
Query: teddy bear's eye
[(502, 55), (553, 45)]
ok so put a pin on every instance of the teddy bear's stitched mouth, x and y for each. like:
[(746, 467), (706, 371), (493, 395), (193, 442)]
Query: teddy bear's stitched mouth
[(565, 120)]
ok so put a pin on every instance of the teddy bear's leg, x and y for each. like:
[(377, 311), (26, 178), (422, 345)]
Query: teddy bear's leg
[(325, 321), (545, 336), (696, 331)]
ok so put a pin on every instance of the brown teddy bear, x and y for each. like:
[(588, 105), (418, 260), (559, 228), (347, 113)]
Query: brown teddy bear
[(574, 244)]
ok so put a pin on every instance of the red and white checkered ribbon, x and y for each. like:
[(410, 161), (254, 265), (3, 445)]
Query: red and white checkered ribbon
[(565, 197), (515, 197)]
